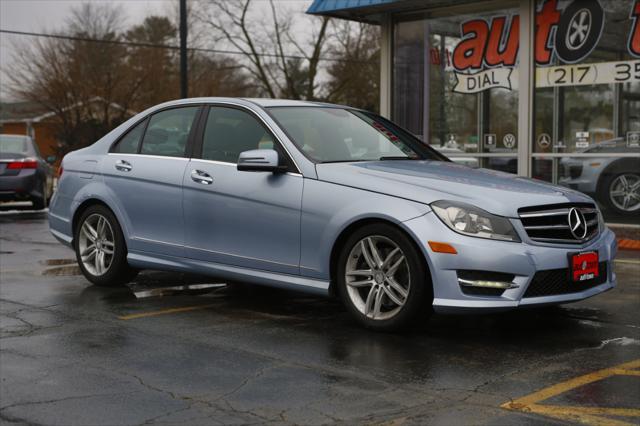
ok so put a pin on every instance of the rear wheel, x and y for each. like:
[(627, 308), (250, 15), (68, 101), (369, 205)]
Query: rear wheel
[(100, 248), (40, 203), (382, 279)]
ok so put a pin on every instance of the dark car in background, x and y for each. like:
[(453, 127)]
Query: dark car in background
[(24, 174), (613, 180)]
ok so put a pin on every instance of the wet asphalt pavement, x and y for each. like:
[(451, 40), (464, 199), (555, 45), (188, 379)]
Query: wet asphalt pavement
[(72, 353)]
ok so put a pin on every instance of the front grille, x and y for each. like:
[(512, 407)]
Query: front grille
[(557, 281), (550, 224)]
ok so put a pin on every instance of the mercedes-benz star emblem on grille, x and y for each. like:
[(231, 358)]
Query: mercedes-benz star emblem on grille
[(577, 224)]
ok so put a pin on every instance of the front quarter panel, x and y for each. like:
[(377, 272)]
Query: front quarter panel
[(328, 209)]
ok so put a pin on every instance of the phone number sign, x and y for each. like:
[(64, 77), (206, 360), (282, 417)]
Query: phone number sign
[(584, 74)]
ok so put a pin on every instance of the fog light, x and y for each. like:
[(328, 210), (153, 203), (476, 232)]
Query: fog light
[(503, 285)]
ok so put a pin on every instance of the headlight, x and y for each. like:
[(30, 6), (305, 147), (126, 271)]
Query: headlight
[(470, 220)]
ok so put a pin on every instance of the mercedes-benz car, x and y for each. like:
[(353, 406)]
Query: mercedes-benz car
[(614, 178), (326, 199)]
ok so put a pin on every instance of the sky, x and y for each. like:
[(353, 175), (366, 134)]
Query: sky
[(50, 15)]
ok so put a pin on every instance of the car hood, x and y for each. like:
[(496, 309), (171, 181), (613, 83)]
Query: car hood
[(428, 181)]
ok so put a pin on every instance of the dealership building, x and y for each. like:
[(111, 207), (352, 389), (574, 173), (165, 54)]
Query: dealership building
[(548, 89)]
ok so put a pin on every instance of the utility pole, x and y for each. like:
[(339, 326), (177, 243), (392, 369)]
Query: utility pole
[(183, 50)]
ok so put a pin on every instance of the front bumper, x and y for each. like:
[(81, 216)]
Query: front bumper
[(523, 260)]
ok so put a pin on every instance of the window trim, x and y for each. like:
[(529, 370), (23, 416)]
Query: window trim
[(129, 130), (196, 153), (190, 139)]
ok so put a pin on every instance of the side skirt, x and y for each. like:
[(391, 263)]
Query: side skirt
[(145, 260)]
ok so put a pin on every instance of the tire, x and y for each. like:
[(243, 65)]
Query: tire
[(355, 294), (611, 183), (40, 203), (113, 271), (593, 15)]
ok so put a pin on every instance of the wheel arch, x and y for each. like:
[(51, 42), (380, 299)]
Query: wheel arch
[(357, 224), (83, 206), (617, 166)]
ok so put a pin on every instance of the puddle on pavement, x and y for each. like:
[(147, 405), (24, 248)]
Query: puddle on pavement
[(55, 262), (189, 289), (67, 270)]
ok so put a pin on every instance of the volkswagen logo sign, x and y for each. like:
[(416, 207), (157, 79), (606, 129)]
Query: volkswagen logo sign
[(577, 224)]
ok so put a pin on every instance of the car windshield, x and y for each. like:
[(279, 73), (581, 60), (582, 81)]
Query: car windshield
[(13, 144), (331, 135)]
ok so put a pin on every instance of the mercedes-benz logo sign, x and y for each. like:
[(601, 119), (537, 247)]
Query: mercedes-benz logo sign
[(577, 224)]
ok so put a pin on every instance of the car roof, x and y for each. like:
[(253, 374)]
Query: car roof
[(260, 102), (268, 102)]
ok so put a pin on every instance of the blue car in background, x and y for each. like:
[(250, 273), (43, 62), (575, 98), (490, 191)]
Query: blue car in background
[(24, 174), (326, 199)]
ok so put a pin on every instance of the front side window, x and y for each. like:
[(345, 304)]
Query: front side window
[(229, 132), (129, 143), (329, 135), (168, 131)]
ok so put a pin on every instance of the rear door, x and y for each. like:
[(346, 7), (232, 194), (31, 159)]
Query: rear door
[(246, 219), (144, 170)]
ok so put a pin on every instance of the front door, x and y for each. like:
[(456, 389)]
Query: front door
[(246, 219)]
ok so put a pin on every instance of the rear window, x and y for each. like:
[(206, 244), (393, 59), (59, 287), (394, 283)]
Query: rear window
[(14, 144)]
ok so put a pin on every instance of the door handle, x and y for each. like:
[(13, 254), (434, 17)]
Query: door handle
[(123, 166), (201, 177)]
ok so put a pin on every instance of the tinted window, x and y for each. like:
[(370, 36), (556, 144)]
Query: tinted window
[(168, 132), (129, 142), (231, 131)]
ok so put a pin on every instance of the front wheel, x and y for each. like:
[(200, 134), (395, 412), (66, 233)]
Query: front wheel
[(382, 278), (100, 248)]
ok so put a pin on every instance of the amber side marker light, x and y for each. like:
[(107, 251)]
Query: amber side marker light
[(442, 247)]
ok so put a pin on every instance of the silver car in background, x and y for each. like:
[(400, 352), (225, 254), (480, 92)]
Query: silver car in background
[(325, 199), (613, 181)]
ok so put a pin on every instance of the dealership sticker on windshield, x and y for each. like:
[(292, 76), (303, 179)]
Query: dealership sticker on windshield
[(584, 266)]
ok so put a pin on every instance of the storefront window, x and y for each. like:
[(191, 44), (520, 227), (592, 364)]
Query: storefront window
[(455, 84), (587, 101)]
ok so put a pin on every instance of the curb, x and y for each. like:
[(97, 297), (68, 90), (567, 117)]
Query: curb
[(626, 244)]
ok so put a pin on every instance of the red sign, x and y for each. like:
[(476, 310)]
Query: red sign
[(570, 34), (584, 266)]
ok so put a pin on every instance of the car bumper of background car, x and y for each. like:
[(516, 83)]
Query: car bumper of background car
[(21, 187), (539, 273)]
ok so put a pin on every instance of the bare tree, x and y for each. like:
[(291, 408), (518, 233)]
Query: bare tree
[(269, 45), (354, 79)]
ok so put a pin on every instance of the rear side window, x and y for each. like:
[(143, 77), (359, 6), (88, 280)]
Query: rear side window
[(229, 132), (130, 141), (168, 131)]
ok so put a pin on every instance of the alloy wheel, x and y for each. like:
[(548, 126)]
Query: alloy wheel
[(377, 277), (624, 192), (96, 243)]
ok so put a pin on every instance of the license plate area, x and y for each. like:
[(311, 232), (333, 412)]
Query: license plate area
[(584, 266)]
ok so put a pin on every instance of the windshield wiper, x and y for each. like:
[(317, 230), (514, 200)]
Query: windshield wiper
[(397, 158)]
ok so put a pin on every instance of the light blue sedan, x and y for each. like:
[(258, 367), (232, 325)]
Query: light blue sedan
[(325, 199)]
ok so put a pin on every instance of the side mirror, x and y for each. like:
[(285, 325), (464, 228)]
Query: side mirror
[(260, 160), (51, 159)]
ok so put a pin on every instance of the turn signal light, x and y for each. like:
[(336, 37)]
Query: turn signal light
[(23, 164), (442, 247)]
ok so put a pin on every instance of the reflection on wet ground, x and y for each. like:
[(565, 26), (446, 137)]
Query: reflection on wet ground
[(179, 348)]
